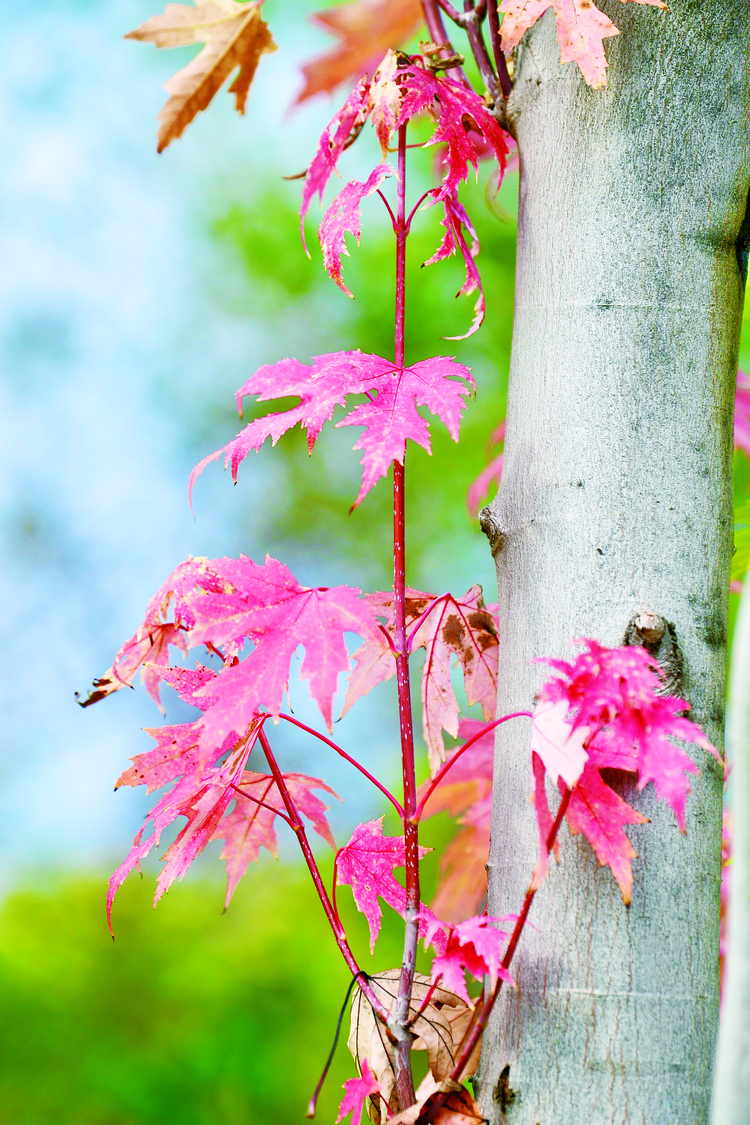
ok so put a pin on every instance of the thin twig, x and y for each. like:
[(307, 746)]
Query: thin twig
[(313, 1100), (263, 804), (472, 1038), (338, 930), (348, 758), (469, 742), (506, 84)]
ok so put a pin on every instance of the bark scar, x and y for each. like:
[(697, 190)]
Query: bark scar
[(659, 637), (503, 1094)]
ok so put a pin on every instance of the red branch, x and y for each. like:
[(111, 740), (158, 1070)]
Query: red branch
[(470, 1041), (348, 758), (469, 742), (304, 843), (402, 1053)]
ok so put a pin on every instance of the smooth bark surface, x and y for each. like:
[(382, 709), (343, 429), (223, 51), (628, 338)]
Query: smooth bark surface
[(731, 1101), (616, 497)]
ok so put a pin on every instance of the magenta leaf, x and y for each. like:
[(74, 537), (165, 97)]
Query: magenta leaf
[(390, 417), (609, 697), (366, 865), (342, 217), (269, 607), (455, 106), (250, 825), (474, 946), (358, 1090), (456, 221), (202, 794), (560, 747), (149, 646), (349, 118), (444, 626), (601, 815)]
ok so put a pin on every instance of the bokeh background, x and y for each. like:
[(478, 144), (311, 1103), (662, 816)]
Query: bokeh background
[(137, 294)]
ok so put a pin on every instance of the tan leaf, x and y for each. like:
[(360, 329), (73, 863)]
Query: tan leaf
[(366, 29), (450, 1104), (439, 1030), (235, 35)]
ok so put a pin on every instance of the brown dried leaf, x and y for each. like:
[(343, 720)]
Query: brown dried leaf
[(366, 30), (451, 1104), (439, 1031), (234, 35)]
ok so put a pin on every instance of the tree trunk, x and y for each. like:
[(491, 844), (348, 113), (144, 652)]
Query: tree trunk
[(731, 1100), (616, 497)]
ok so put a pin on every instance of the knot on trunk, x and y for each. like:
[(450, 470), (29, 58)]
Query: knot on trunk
[(659, 637)]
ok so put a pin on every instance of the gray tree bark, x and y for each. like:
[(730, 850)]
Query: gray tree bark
[(731, 1098), (616, 497)]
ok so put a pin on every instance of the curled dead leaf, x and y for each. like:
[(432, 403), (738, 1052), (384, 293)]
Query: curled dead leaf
[(439, 1031), (449, 1104), (234, 35)]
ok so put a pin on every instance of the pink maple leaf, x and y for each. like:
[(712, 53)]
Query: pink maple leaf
[(742, 413), (560, 746), (149, 646), (268, 606), (581, 31), (250, 825), (455, 222), (601, 815), (366, 865), (612, 694), (456, 105), (342, 217), (176, 753), (475, 946), (358, 1090), (202, 795), (333, 141), (385, 100), (444, 626), (389, 419)]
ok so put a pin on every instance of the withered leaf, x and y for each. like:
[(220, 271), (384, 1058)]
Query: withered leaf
[(439, 1031), (235, 35), (450, 1105)]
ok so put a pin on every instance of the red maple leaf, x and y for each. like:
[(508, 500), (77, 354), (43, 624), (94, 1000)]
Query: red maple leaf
[(202, 795), (358, 1090), (612, 696), (365, 28), (268, 606), (366, 865), (148, 648), (460, 627), (456, 221), (389, 418), (458, 109), (475, 946), (250, 825), (581, 30), (334, 139), (342, 217)]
